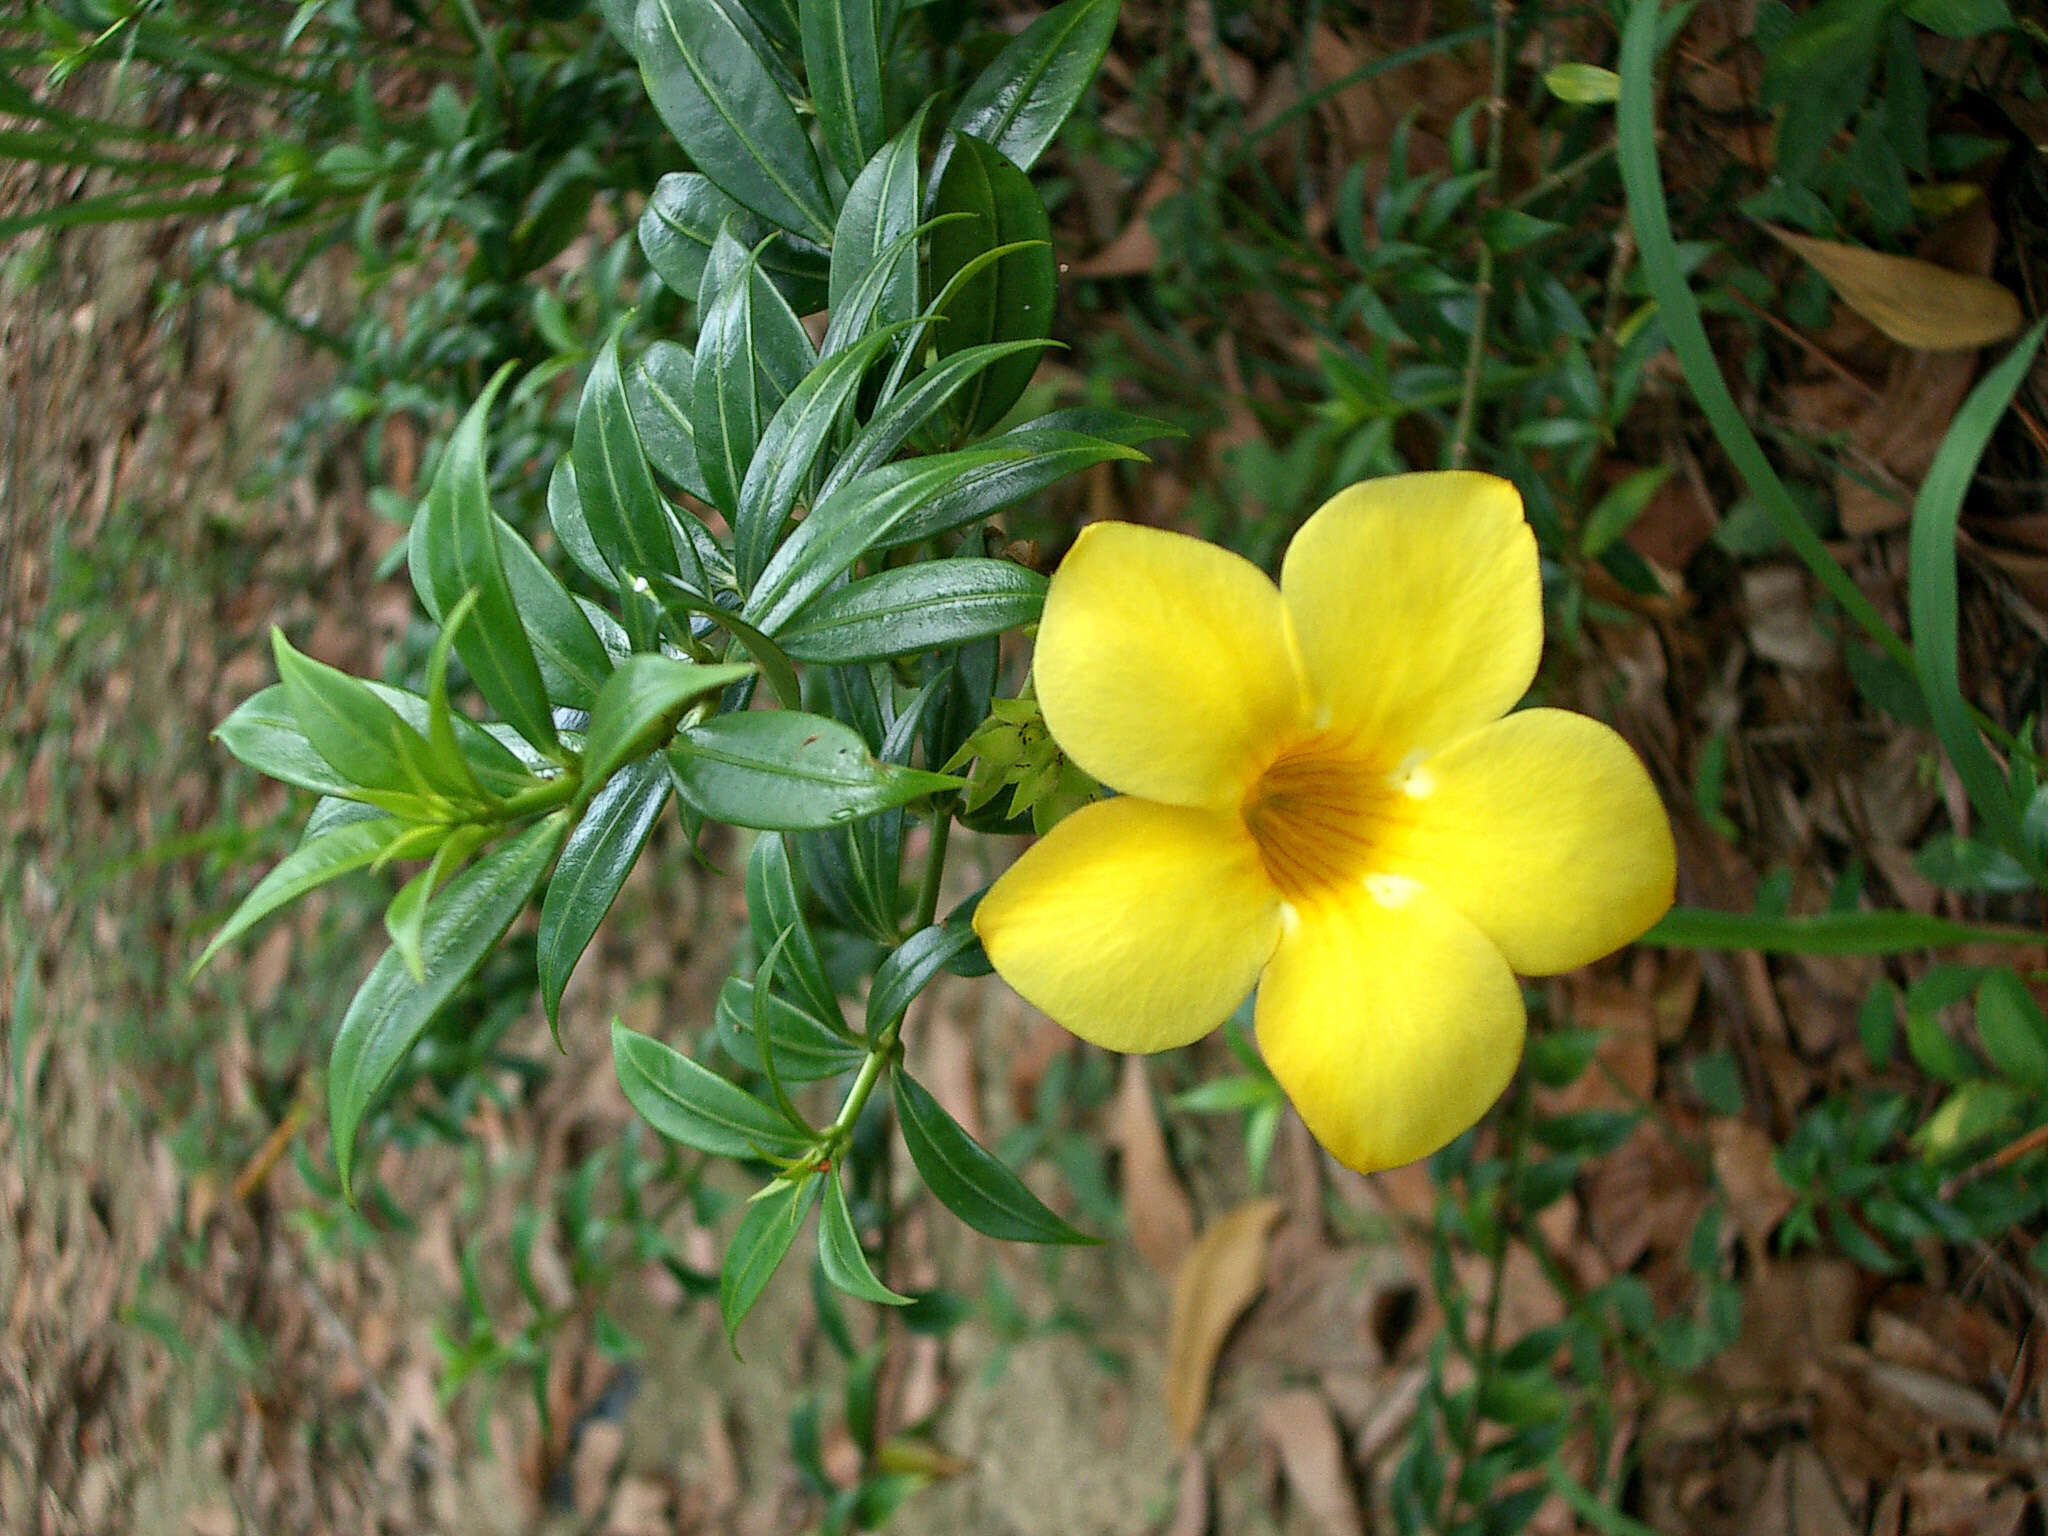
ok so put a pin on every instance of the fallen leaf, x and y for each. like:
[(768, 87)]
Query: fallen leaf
[(1299, 1425), (1745, 1165), (1221, 1275), (1912, 301), (1162, 1221), (1798, 1498)]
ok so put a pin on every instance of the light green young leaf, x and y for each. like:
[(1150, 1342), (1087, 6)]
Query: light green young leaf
[(336, 852), (759, 1246), (637, 710), (839, 1250)]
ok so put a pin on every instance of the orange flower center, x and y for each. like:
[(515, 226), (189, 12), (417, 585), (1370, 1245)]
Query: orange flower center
[(1319, 811)]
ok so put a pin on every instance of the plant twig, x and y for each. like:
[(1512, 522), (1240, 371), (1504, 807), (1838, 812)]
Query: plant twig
[(1482, 287)]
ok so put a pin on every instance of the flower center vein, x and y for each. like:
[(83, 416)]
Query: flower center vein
[(1318, 813)]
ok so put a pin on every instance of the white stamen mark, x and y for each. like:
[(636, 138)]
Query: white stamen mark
[(1391, 890), (1414, 780), (1290, 920), (640, 584)]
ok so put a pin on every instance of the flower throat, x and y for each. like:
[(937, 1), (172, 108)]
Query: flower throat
[(1318, 813)]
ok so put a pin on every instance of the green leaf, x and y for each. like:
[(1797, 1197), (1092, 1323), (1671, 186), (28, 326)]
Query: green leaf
[(2013, 1029), (759, 1245), (1020, 463), (840, 1253), (909, 968), (914, 405), (660, 391), (594, 864), (1960, 18), (968, 1180), (714, 90), (788, 451), (391, 1010), (487, 749), (572, 528), (1018, 103), (1583, 85), (752, 351), (775, 913), (336, 852), (881, 208), (679, 603), (360, 735), (454, 551), (806, 1048), (1009, 300), (1827, 933), (842, 45), (638, 709), (1931, 597), (627, 517), (264, 733), (933, 606), (681, 224), (1933, 1049), (689, 1103), (1616, 512), (573, 660), (784, 771)]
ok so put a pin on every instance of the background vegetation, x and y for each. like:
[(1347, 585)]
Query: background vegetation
[(1739, 299)]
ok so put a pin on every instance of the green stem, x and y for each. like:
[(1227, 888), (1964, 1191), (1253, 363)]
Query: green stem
[(934, 869), (1482, 287), (545, 796)]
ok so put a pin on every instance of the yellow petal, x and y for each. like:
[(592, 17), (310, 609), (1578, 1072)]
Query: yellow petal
[(1546, 832), (1164, 666), (1136, 925), (1391, 1022), (1417, 606)]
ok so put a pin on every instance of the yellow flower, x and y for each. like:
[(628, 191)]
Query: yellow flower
[(1321, 793)]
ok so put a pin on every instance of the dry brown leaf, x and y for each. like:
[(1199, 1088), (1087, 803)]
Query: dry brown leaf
[(1299, 1425), (1798, 1498), (1156, 1206), (1745, 1164), (1221, 1275), (1914, 302)]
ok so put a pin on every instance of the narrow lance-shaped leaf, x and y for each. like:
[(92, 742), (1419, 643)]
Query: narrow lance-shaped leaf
[(805, 1048), (689, 1103), (839, 1250), (718, 96), (914, 405), (842, 45), (660, 390), (638, 709), (454, 551), (338, 851), (760, 1244), (909, 968), (786, 771), (573, 660), (680, 604), (1012, 299), (359, 734), (933, 606), (615, 490), (390, 1010), (881, 207), (968, 1179), (1019, 102), (752, 351), (594, 864), (774, 909), (681, 223)]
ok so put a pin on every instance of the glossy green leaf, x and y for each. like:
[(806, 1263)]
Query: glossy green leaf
[(689, 1103), (716, 92), (933, 606), (361, 736), (783, 771), (626, 515), (502, 760), (335, 852), (660, 391), (909, 968), (788, 451), (405, 919), (806, 1049), (2012, 1029), (759, 1245), (1827, 933), (595, 861), (264, 732), (681, 224), (573, 660), (967, 1178), (912, 406), (454, 551), (839, 1251), (1019, 102), (775, 914), (390, 1010), (881, 207), (752, 351), (1003, 472), (842, 46), (572, 529), (1009, 300), (638, 709)]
